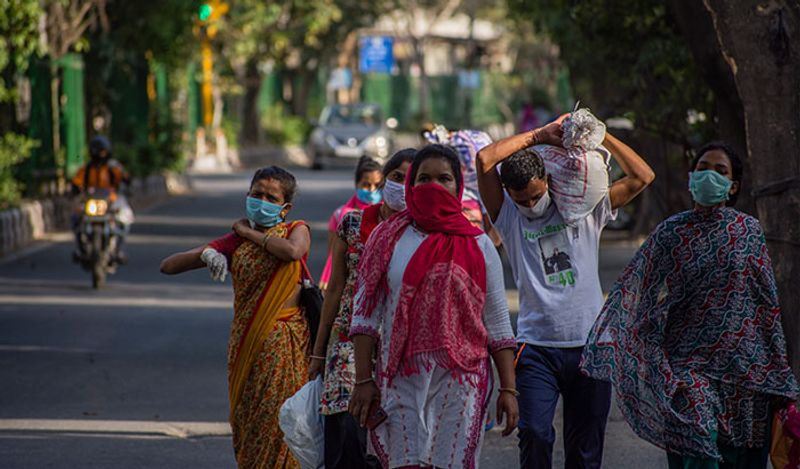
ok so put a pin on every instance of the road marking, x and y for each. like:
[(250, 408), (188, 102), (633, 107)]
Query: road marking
[(60, 300), (137, 427), (40, 348)]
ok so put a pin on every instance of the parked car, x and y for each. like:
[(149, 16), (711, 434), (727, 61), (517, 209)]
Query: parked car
[(346, 132)]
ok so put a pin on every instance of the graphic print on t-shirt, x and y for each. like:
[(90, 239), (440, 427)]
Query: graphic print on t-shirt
[(556, 256)]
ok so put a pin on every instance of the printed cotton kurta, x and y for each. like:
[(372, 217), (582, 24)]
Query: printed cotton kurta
[(435, 418), (340, 361)]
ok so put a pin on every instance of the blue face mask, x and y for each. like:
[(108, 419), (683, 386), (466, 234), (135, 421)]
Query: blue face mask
[(709, 188), (368, 197), (263, 213)]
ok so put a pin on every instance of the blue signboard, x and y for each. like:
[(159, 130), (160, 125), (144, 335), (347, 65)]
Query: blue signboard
[(376, 54)]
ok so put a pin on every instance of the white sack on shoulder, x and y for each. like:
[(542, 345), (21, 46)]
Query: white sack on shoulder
[(302, 426), (578, 173)]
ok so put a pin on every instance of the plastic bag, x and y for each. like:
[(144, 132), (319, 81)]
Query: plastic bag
[(302, 425), (578, 179), (784, 451), (578, 172)]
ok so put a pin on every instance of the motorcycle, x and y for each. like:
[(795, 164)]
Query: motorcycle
[(98, 236)]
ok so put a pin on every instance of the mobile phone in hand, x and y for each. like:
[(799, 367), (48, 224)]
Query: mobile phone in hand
[(376, 416)]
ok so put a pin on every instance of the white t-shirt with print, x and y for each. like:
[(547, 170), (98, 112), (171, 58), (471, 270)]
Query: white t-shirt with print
[(555, 269)]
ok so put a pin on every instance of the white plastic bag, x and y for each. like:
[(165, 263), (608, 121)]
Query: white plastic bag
[(302, 425), (579, 172)]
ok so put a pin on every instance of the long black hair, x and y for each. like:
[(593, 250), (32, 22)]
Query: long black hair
[(397, 160), (443, 152), (285, 178), (737, 166)]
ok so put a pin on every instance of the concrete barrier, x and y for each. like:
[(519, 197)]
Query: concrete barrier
[(32, 220)]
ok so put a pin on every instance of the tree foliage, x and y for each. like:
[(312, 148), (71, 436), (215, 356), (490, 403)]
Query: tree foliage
[(19, 41), (629, 58)]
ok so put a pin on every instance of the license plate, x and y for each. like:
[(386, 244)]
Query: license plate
[(348, 152)]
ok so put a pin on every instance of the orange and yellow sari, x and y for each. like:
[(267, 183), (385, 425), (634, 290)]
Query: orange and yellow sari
[(267, 350)]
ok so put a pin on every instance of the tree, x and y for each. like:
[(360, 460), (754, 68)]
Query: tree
[(630, 59), (416, 19), (19, 41), (297, 36), (759, 42), (65, 22)]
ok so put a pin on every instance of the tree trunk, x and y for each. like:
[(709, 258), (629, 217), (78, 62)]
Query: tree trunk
[(697, 27), (424, 84), (250, 116), (300, 97), (55, 104), (760, 42)]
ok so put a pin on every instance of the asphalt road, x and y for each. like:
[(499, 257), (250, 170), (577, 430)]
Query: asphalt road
[(133, 376)]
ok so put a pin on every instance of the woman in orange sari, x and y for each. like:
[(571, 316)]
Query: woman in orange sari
[(268, 345)]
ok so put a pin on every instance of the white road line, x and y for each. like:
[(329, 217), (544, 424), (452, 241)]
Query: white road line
[(138, 427), (40, 348), (60, 300)]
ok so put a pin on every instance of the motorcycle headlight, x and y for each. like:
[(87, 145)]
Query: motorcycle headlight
[(96, 208)]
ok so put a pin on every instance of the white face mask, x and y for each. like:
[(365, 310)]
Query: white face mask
[(394, 195), (538, 210)]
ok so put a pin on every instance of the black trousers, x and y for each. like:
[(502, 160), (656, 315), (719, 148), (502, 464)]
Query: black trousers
[(346, 444)]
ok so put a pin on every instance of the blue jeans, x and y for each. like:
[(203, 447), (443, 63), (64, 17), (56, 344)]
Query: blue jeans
[(544, 373)]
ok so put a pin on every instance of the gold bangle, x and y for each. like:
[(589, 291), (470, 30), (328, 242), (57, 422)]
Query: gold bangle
[(365, 381), (264, 241), (511, 390), (317, 357)]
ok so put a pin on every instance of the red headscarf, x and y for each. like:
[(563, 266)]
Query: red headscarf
[(443, 290)]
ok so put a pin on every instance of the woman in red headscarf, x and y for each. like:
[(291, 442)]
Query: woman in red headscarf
[(432, 284)]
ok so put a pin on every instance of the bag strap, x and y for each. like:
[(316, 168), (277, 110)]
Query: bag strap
[(306, 273)]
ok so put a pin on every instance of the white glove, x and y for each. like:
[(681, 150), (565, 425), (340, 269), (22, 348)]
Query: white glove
[(216, 262)]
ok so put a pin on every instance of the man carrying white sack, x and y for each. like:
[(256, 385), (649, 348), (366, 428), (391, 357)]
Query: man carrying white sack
[(555, 266)]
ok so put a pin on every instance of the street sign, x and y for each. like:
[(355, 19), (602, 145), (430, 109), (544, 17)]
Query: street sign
[(376, 54)]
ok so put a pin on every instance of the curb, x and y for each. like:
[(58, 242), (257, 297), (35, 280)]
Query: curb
[(32, 220)]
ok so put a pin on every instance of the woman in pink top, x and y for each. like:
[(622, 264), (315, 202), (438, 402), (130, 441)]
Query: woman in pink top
[(369, 179)]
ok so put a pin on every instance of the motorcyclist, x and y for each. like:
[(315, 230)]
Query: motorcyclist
[(104, 172)]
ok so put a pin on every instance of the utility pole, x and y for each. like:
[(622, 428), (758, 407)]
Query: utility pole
[(208, 17)]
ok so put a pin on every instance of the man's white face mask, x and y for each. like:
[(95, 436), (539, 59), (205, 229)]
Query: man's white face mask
[(538, 210)]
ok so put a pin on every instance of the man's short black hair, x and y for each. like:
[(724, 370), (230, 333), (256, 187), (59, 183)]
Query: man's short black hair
[(443, 152), (285, 178), (737, 166), (518, 169)]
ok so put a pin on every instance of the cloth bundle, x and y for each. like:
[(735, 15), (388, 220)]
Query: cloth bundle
[(578, 171)]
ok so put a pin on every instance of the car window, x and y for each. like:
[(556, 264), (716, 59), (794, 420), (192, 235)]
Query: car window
[(351, 115)]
